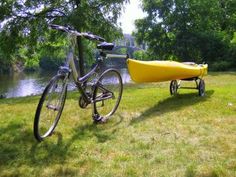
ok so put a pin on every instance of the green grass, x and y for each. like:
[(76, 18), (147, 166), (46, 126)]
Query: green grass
[(151, 134)]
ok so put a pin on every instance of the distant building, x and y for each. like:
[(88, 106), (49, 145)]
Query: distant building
[(129, 41), (125, 46)]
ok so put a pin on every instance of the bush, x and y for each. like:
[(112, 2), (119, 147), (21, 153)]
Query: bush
[(221, 66), (32, 63), (50, 63), (231, 55), (141, 55)]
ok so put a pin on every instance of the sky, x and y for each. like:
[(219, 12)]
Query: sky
[(132, 12)]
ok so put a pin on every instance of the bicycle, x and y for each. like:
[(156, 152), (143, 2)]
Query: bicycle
[(104, 96)]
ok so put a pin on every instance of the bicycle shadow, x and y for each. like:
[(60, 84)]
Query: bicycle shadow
[(18, 146), (171, 104), (13, 138), (63, 148), (102, 132)]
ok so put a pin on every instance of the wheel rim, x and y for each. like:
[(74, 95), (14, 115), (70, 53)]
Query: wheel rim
[(51, 108), (173, 87), (109, 86), (201, 88)]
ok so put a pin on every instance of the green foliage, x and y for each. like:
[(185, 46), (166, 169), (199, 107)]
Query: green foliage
[(220, 66), (28, 57), (231, 55), (52, 50), (26, 23), (188, 30), (32, 64), (4, 63), (234, 39), (89, 53), (141, 55), (121, 50), (50, 62), (6, 52)]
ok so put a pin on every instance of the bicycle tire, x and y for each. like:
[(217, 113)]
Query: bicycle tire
[(108, 88), (52, 89)]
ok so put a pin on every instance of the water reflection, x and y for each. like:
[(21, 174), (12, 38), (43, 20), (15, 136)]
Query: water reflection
[(25, 84), (125, 75)]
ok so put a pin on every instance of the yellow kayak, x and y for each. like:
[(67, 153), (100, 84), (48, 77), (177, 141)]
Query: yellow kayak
[(157, 71)]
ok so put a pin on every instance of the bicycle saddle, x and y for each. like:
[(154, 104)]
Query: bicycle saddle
[(105, 46)]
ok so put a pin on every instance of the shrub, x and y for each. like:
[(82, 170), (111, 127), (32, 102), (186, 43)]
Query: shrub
[(141, 55), (50, 63), (32, 63), (231, 55), (221, 66)]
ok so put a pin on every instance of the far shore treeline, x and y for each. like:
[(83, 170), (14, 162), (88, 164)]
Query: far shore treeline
[(188, 30)]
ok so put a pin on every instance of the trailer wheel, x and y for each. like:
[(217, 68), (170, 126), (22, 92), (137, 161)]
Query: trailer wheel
[(173, 87), (201, 88)]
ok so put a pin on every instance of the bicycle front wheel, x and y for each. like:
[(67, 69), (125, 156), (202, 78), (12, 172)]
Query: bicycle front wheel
[(50, 107), (107, 94)]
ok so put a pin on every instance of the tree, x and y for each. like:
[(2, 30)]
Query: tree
[(187, 29), (25, 21)]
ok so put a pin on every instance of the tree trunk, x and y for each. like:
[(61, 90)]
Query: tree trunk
[(80, 48), (81, 56)]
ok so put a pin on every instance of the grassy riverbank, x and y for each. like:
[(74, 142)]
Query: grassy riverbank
[(151, 134)]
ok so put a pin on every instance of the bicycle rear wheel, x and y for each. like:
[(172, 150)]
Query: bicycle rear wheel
[(50, 107), (107, 94)]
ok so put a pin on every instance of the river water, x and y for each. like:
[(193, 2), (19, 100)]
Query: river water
[(25, 84)]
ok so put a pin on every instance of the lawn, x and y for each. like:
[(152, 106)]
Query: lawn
[(151, 134)]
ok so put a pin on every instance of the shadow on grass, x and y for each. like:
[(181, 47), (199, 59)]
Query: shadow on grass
[(213, 73), (102, 132), (63, 148), (19, 148), (170, 104)]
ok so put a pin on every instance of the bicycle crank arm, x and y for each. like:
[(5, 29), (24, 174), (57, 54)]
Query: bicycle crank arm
[(105, 97), (55, 108)]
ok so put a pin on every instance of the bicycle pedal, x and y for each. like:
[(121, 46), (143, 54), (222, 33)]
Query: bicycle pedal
[(98, 119), (52, 107)]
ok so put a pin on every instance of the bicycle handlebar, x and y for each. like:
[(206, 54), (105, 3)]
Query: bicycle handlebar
[(76, 33)]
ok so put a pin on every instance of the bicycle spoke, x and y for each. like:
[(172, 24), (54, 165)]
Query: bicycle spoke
[(108, 93), (50, 108)]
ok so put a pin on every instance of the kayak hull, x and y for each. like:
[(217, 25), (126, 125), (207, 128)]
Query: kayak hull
[(158, 71)]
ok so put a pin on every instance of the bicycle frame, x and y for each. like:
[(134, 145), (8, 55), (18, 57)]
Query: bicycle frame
[(70, 69), (97, 91)]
